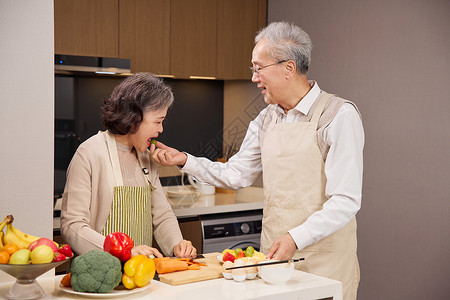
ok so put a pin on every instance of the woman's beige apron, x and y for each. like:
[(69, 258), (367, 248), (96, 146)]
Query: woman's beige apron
[(131, 206), (294, 188)]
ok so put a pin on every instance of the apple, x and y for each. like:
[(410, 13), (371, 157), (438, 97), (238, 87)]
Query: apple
[(42, 254), (20, 257), (43, 241)]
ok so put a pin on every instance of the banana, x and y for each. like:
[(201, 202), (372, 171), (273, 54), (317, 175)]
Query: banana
[(1, 240), (2, 225), (14, 235)]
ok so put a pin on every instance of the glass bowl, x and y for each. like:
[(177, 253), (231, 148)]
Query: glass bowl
[(26, 286)]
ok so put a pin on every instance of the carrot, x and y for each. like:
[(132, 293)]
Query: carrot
[(157, 260), (65, 281), (184, 259), (172, 265), (194, 267), (189, 261)]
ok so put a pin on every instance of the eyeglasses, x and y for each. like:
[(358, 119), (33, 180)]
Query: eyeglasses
[(256, 70)]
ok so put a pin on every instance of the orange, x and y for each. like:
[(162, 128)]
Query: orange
[(4, 257), (10, 248)]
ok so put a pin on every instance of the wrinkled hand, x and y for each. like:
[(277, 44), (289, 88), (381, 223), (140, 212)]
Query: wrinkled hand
[(145, 250), (185, 249), (167, 156), (283, 248)]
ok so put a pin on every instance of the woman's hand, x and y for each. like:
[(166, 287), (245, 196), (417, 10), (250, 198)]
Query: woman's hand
[(185, 249), (145, 250), (167, 156)]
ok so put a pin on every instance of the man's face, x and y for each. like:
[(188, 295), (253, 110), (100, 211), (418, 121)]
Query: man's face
[(270, 78)]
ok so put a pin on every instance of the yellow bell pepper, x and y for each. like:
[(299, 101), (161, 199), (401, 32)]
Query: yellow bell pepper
[(138, 271)]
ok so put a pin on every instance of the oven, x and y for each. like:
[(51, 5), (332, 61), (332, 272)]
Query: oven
[(231, 231)]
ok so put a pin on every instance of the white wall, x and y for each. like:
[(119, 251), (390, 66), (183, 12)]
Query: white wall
[(393, 59), (26, 115)]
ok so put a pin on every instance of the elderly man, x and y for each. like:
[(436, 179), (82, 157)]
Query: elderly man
[(308, 144)]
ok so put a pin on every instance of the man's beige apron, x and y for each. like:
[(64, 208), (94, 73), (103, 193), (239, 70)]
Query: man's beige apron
[(294, 188), (131, 206)]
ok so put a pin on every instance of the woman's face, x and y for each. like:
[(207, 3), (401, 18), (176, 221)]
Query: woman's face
[(150, 128)]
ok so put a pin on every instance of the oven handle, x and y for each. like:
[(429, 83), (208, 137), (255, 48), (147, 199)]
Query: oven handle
[(245, 243)]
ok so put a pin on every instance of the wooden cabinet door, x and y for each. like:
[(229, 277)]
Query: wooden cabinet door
[(193, 38), (237, 24), (86, 27), (144, 30)]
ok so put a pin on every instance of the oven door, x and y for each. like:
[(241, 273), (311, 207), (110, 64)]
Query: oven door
[(219, 247), (232, 231)]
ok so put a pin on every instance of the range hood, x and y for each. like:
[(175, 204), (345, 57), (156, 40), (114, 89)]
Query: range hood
[(75, 64)]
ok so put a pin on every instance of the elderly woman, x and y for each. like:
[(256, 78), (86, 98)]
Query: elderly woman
[(112, 182)]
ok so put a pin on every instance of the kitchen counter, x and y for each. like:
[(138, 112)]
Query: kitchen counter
[(301, 286), (186, 202)]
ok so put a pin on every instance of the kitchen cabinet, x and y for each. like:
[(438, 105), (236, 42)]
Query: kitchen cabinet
[(144, 31), (86, 27), (214, 38), (191, 229), (183, 38), (237, 24), (193, 38)]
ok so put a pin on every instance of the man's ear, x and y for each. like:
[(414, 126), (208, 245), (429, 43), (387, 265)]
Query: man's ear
[(290, 68)]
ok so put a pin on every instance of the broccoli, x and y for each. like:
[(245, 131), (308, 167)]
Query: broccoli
[(96, 272)]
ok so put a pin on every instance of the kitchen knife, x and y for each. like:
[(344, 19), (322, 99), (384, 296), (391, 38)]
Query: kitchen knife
[(268, 263)]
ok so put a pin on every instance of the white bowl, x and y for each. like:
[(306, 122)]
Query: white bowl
[(276, 274), (227, 275)]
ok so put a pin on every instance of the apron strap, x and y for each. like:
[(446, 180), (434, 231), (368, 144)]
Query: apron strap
[(145, 172), (114, 157), (320, 106)]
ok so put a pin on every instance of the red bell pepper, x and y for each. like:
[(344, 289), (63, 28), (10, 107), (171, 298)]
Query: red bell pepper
[(119, 245), (66, 250)]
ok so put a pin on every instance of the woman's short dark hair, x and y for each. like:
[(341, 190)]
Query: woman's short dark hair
[(123, 111)]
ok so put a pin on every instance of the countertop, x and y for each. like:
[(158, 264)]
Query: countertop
[(301, 286), (186, 202)]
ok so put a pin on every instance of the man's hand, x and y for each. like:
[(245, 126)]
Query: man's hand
[(167, 156), (283, 248), (185, 249)]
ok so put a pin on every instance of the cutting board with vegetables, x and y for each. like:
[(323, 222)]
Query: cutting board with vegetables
[(213, 270)]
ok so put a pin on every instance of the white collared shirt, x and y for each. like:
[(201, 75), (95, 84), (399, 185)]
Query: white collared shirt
[(343, 167)]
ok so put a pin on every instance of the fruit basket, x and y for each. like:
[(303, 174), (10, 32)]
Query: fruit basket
[(26, 286)]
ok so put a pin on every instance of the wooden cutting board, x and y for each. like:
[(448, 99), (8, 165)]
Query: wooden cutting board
[(213, 270)]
